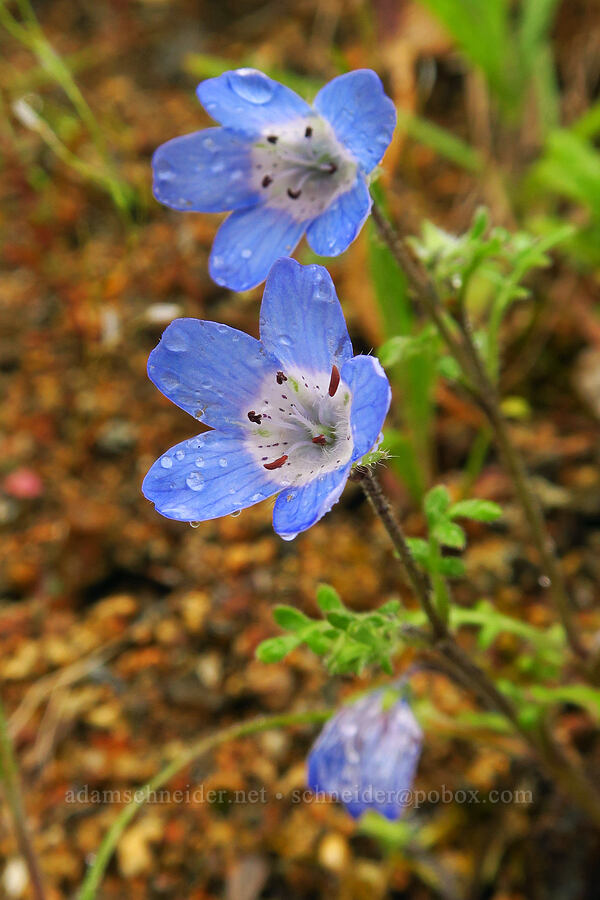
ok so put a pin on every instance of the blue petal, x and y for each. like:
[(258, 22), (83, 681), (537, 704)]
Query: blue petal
[(206, 477), (207, 171), (248, 243), (296, 509), (301, 320), (249, 101), (363, 117), (335, 229), (210, 370), (371, 396)]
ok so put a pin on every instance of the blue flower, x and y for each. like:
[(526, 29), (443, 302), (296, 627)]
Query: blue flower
[(284, 167), (291, 413), (367, 755)]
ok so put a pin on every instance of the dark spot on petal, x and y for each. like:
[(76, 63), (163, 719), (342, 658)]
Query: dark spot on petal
[(272, 138), (334, 382), (276, 464), (281, 377), (254, 417), (267, 180), (293, 194), (308, 132)]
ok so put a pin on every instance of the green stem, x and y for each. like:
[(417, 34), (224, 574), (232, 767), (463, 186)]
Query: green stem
[(9, 775), (459, 341), (568, 774), (111, 839)]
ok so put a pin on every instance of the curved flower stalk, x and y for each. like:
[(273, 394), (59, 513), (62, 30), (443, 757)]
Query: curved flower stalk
[(367, 755), (292, 412), (282, 166)]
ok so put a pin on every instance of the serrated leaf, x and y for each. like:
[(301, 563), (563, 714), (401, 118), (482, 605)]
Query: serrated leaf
[(480, 510), (436, 502), (328, 598), (276, 648), (449, 534), (289, 618)]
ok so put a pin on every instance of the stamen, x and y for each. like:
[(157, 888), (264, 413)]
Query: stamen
[(330, 168), (254, 417), (267, 180), (272, 138), (335, 380), (281, 378), (308, 132), (320, 439), (277, 464), (293, 194)]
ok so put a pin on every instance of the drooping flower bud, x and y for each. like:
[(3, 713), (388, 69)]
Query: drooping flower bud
[(367, 754)]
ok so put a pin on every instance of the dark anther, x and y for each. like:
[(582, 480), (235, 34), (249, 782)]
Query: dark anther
[(281, 378), (320, 439), (277, 464), (267, 180), (331, 168), (293, 194), (308, 132), (334, 381), (254, 417), (272, 138)]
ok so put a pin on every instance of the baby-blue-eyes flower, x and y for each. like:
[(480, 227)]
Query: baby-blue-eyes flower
[(282, 166), (291, 413), (367, 755)]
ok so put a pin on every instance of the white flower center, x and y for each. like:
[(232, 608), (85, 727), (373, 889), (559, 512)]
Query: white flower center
[(299, 426), (300, 166)]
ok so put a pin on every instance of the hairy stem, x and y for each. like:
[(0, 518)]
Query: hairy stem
[(200, 748), (568, 774), (9, 776), (459, 340)]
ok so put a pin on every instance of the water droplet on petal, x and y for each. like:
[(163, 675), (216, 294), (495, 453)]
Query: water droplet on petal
[(200, 462), (223, 462), (175, 339), (209, 143), (236, 513), (256, 497), (222, 329), (246, 253), (251, 85), (179, 454), (164, 171), (166, 462), (218, 167), (285, 340), (169, 381), (195, 481)]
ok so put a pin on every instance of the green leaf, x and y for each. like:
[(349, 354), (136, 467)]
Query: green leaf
[(318, 640), (436, 502), (451, 566), (391, 608), (328, 598), (341, 620), (290, 618), (420, 550), (480, 510), (276, 648), (449, 534)]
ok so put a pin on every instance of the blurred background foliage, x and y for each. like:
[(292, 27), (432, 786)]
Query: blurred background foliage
[(123, 635)]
